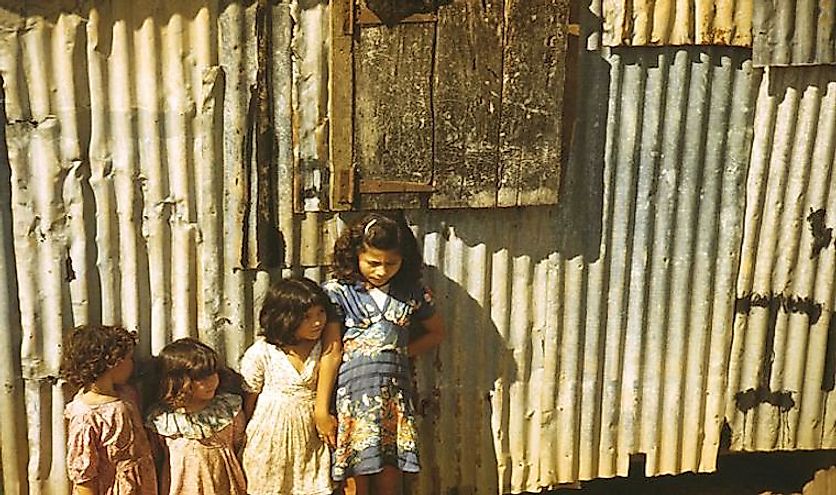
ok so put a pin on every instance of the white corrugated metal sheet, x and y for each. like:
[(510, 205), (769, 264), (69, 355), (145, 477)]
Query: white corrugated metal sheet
[(800, 32), (678, 22), (783, 361)]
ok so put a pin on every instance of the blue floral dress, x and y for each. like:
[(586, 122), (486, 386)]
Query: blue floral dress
[(376, 423)]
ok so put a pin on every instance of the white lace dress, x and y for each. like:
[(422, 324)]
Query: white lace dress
[(283, 454)]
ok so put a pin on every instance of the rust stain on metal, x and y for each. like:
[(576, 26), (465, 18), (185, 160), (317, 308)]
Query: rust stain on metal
[(822, 234)]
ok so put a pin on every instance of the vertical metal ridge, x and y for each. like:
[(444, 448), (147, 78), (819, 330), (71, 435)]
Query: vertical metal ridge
[(673, 22), (778, 389), (794, 33), (14, 452)]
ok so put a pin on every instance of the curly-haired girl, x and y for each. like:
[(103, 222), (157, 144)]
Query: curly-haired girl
[(107, 448), (378, 293), (198, 431)]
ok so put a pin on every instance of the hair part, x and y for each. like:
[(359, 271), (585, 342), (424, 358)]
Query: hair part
[(90, 351), (285, 306), (182, 362), (379, 232)]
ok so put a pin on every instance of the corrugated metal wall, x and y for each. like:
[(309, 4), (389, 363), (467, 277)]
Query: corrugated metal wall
[(797, 32), (126, 137), (783, 364), (676, 22), (579, 334)]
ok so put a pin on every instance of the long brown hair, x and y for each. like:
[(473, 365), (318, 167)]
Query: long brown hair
[(285, 305), (380, 232), (182, 362)]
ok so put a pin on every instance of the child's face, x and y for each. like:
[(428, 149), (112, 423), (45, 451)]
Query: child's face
[(378, 266), (204, 389), (121, 373), (313, 324)]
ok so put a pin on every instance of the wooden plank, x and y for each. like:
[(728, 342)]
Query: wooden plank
[(341, 106), (368, 17), (393, 119), (532, 97), (466, 100)]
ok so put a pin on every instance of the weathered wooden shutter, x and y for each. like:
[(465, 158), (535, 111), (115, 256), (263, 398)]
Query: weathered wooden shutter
[(453, 105)]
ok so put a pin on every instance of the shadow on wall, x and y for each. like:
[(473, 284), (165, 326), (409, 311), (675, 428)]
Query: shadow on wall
[(456, 389), (459, 388)]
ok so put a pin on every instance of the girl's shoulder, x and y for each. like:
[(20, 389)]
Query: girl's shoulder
[(199, 425), (336, 286), (260, 349)]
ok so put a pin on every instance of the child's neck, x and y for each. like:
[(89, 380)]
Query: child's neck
[(303, 347), (197, 405), (101, 391)]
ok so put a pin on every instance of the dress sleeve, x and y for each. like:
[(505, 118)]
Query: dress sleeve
[(82, 451), (252, 369), (426, 305), (331, 289)]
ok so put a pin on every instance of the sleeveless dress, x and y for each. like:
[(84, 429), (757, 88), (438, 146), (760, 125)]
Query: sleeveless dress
[(283, 454), (107, 443), (202, 447), (374, 392)]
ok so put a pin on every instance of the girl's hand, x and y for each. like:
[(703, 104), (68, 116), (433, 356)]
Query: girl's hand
[(326, 428)]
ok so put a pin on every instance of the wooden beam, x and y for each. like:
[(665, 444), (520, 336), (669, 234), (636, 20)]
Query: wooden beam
[(341, 106)]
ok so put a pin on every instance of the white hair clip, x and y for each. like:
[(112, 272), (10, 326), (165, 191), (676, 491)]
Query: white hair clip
[(369, 226)]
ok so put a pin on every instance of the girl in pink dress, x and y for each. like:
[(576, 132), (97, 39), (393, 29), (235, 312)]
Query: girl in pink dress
[(198, 432), (108, 452)]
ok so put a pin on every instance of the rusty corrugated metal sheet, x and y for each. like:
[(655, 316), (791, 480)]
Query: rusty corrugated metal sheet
[(126, 132), (801, 32), (676, 22), (598, 329), (783, 361)]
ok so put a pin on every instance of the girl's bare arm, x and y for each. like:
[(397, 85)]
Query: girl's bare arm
[(326, 424), (433, 336), (250, 400)]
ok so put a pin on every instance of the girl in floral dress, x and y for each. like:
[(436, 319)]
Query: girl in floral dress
[(378, 292), (198, 432), (283, 455), (108, 452)]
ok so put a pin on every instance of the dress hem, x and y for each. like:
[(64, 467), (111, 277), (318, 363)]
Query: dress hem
[(378, 471)]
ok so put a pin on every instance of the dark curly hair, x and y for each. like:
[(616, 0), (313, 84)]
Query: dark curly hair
[(285, 305), (380, 232), (91, 350), (180, 363)]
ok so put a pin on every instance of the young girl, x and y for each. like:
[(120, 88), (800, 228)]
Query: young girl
[(107, 448), (283, 454), (198, 431), (378, 292)]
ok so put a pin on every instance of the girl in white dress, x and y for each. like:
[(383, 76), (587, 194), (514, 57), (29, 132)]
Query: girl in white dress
[(283, 453)]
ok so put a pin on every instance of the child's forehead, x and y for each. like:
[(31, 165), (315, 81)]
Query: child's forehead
[(371, 253)]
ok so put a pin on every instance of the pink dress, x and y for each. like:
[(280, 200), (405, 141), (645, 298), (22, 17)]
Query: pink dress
[(201, 447), (107, 443)]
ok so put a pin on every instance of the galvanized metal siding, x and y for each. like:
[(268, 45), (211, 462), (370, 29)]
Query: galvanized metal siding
[(12, 433), (585, 333), (677, 143), (783, 361), (126, 131), (672, 22), (799, 32)]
